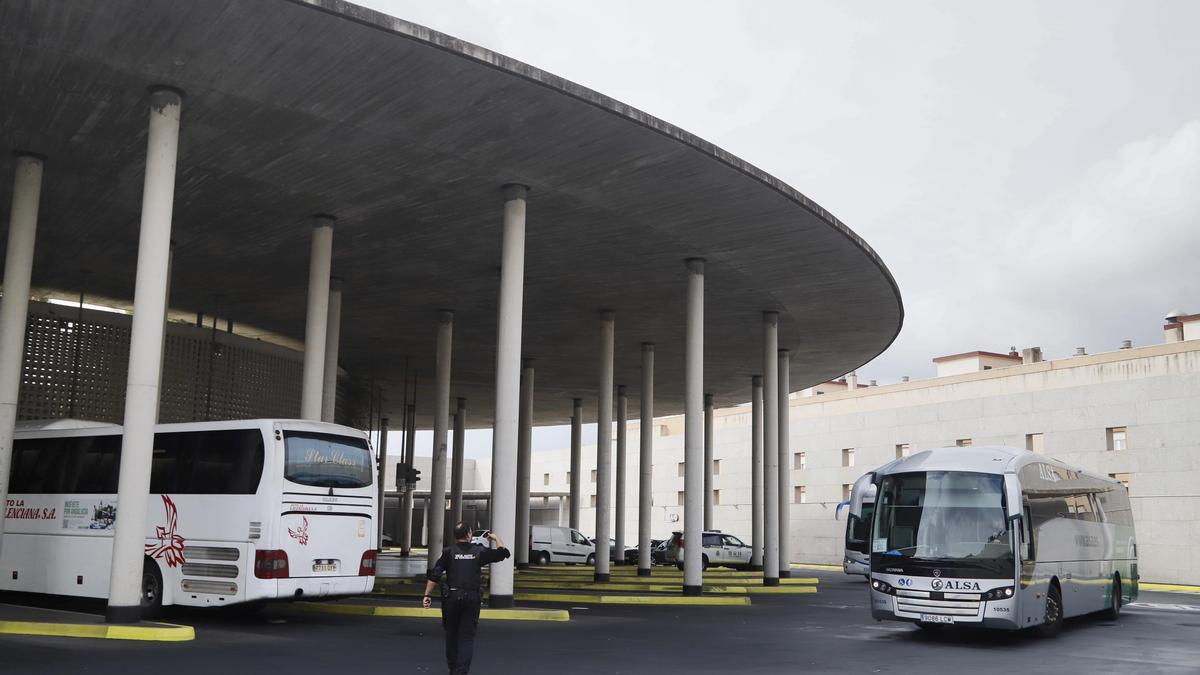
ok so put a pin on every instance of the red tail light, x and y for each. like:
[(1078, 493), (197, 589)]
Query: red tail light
[(366, 567), (271, 564)]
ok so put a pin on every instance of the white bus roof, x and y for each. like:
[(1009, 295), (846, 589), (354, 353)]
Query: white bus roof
[(997, 459), (64, 423)]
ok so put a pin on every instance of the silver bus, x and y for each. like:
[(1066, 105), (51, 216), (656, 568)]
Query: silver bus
[(857, 557), (997, 537)]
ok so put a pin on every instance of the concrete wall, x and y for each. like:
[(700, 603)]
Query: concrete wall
[(1152, 391)]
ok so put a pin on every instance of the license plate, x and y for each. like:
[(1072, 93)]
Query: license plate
[(325, 567), (936, 618)]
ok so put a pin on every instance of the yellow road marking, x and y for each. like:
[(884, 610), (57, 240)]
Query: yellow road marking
[(160, 632)]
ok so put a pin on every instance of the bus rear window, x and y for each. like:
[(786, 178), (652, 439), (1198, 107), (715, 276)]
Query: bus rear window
[(323, 460)]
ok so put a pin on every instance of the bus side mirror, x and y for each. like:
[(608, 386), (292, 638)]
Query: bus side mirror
[(1012, 496)]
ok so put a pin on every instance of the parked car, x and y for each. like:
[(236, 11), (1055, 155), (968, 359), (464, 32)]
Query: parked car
[(718, 549), (549, 544)]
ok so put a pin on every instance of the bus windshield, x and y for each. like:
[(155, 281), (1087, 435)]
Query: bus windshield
[(942, 515), (325, 460)]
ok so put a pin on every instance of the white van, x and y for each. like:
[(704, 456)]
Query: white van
[(549, 544)]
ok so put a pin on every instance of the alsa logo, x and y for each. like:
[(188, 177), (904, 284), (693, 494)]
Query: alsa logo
[(300, 534), (954, 585)]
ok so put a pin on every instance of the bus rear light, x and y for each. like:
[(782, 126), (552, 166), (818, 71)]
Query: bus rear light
[(271, 564), (366, 568)]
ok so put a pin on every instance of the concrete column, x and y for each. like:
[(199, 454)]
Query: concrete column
[(406, 506), (333, 333), (622, 440), (508, 389), (604, 446), (145, 360), (756, 477), (646, 461), (693, 439), (14, 306), (317, 318), (435, 516), (708, 462), (456, 470), (524, 451), (771, 497), (381, 489), (785, 467), (576, 460)]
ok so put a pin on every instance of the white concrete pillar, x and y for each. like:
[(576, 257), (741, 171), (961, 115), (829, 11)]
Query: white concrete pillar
[(456, 471), (771, 497), (14, 306), (145, 360), (693, 440), (576, 461), (508, 389), (785, 467), (708, 462), (756, 477), (317, 317), (333, 333), (436, 514), (619, 506), (604, 447), (406, 504), (646, 461), (380, 488), (524, 457)]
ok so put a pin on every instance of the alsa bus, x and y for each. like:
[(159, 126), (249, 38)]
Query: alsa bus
[(857, 557), (239, 511), (998, 537)]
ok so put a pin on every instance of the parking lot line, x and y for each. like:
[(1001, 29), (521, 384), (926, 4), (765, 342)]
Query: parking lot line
[(1172, 588), (156, 633), (516, 614), (588, 599)]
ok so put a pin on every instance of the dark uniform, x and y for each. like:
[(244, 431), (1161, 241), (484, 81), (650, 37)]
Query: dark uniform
[(462, 563)]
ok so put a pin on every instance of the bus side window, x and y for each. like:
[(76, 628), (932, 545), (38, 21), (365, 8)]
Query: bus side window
[(1027, 552)]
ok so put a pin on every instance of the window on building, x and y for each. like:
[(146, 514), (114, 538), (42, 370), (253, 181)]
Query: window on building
[(1036, 443), (903, 450), (799, 460), (1123, 478), (594, 474), (847, 456), (1116, 438), (680, 495), (682, 469), (716, 497), (716, 467), (845, 492), (568, 478), (593, 501), (963, 442), (545, 479), (799, 495)]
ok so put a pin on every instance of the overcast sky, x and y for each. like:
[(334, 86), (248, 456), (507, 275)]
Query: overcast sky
[(1029, 171)]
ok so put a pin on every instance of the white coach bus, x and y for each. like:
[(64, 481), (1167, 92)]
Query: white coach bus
[(238, 511), (998, 537)]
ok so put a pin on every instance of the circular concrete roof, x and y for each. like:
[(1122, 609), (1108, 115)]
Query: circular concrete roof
[(407, 135)]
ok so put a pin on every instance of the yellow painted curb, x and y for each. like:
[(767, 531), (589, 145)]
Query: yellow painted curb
[(1174, 588), (158, 633), (567, 581), (518, 614), (689, 600), (768, 590), (810, 566)]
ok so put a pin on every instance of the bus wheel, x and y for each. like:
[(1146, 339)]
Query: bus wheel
[(1054, 614), (152, 589), (1114, 605)]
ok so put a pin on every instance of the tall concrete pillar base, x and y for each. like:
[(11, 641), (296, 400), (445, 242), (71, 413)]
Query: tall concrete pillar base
[(643, 572), (523, 566), (602, 578), (770, 581), (691, 590), (404, 554), (784, 574), (500, 601), (119, 614)]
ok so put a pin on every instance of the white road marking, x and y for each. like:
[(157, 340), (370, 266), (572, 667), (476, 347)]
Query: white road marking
[(1172, 607)]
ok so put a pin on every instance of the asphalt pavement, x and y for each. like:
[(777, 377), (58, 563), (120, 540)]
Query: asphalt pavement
[(827, 632)]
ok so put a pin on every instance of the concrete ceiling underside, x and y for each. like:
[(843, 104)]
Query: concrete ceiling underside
[(406, 136)]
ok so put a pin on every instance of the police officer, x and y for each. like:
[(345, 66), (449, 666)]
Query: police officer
[(462, 563)]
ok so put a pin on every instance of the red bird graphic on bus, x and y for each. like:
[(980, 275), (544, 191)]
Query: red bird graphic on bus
[(170, 544), (300, 534)]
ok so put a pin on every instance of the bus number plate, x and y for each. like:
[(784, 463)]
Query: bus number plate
[(936, 618), (324, 567)]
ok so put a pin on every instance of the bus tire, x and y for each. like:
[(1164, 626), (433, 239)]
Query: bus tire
[(1053, 620), (1114, 606), (152, 589)]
